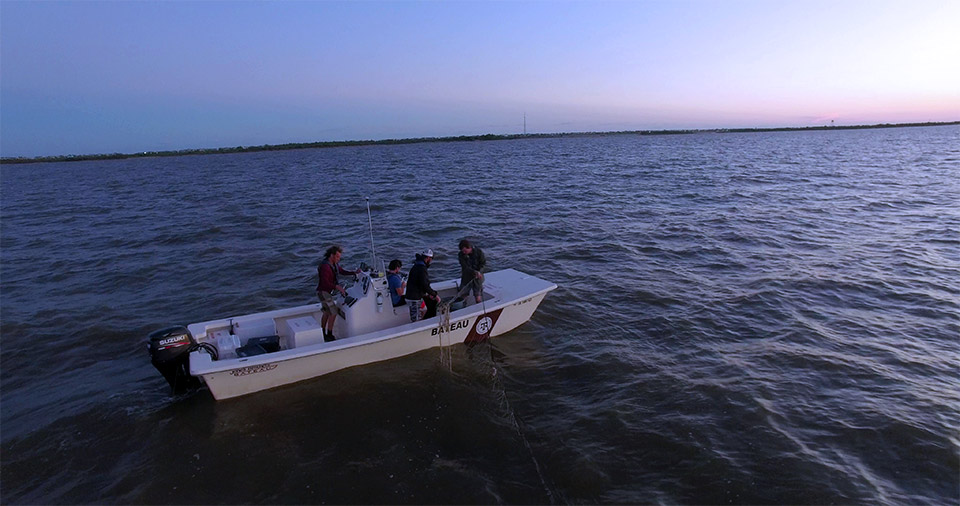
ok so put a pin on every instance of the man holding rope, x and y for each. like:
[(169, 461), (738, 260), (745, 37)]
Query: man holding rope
[(472, 263)]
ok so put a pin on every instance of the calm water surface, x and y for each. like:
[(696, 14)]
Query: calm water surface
[(741, 318)]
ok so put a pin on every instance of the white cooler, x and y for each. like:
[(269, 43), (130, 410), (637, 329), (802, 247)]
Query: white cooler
[(299, 332)]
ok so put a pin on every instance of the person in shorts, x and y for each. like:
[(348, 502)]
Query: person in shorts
[(328, 270)]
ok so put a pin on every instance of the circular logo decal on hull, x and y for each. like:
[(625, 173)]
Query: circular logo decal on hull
[(484, 325)]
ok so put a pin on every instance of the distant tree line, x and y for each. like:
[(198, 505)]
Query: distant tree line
[(461, 138)]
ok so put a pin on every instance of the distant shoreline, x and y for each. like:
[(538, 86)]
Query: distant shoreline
[(461, 138)]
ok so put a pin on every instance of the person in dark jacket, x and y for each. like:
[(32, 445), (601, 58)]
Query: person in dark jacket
[(328, 270), (418, 288), (472, 263)]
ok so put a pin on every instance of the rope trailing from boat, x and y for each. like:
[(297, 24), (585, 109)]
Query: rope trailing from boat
[(446, 356), (518, 425), (498, 386), (496, 378), (443, 327)]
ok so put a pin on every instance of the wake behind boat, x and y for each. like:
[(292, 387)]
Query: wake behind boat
[(245, 354)]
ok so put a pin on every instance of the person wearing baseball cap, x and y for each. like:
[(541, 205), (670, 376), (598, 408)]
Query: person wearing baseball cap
[(418, 287)]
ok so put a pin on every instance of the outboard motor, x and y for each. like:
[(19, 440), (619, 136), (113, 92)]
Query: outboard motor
[(170, 353)]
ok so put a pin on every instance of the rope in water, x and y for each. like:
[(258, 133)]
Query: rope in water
[(446, 358), (443, 326), (518, 425)]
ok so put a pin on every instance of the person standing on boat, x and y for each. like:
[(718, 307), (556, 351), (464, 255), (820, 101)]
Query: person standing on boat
[(328, 270), (418, 287), (395, 283), (472, 263)]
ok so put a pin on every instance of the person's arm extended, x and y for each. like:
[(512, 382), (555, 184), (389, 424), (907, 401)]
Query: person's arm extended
[(426, 289)]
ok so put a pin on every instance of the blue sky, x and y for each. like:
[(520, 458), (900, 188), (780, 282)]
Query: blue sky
[(95, 77)]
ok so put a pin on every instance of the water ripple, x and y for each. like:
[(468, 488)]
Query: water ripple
[(745, 318)]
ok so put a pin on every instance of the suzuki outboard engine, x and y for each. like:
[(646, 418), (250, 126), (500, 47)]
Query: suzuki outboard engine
[(170, 353)]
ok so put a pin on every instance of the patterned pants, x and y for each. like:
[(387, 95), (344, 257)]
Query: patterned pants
[(414, 306)]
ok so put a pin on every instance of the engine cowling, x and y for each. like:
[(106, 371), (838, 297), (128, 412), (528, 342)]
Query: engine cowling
[(170, 353)]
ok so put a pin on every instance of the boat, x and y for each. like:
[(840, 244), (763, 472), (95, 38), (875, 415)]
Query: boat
[(241, 355)]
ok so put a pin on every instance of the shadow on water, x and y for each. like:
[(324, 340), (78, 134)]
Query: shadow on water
[(419, 433)]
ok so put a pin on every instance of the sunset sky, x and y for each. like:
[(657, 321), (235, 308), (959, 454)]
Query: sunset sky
[(92, 77)]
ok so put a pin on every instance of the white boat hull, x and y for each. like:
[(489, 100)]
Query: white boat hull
[(515, 297)]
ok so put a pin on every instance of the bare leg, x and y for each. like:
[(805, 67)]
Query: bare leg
[(326, 323)]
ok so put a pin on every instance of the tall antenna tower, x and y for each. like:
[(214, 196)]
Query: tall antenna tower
[(524, 122)]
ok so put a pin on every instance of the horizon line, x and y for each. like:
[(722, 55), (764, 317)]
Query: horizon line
[(460, 138)]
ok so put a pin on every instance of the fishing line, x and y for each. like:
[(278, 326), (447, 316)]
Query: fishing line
[(446, 356), (373, 249), (501, 393), (498, 388)]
